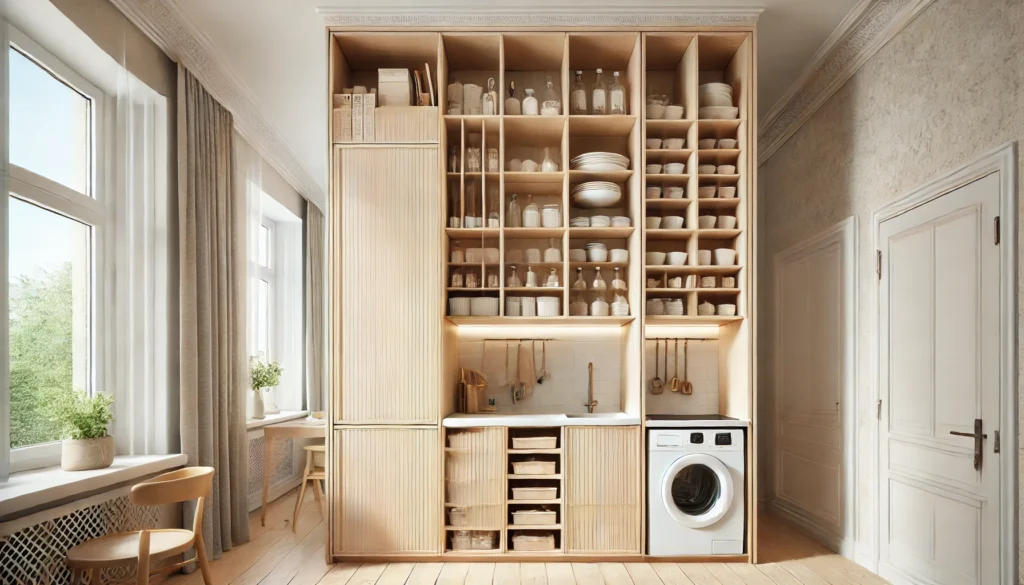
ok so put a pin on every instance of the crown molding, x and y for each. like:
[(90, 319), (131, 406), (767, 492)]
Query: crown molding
[(184, 43), (651, 15), (865, 30)]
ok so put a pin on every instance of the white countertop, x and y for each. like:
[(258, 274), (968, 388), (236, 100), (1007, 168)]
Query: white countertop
[(608, 419)]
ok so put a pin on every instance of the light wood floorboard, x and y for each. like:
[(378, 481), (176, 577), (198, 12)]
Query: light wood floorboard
[(277, 556)]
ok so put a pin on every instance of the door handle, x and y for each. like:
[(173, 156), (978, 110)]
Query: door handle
[(979, 442)]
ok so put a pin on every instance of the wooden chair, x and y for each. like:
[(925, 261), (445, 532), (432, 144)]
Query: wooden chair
[(316, 475), (147, 547)]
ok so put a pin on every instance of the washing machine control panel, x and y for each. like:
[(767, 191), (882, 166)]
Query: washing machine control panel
[(696, 439)]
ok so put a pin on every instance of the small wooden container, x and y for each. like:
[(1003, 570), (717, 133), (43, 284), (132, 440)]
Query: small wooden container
[(533, 467), (534, 517), (534, 493), (534, 442), (533, 542)]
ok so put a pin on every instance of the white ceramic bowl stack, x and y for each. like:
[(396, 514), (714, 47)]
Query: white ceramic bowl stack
[(621, 221), (579, 222), (599, 162), (596, 252), (600, 221), (596, 194), (716, 102), (673, 307)]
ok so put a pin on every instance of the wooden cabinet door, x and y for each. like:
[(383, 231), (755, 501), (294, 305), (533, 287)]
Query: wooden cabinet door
[(387, 285), (602, 489), (386, 487)]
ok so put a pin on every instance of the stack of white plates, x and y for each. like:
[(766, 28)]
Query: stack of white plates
[(596, 252), (620, 309), (579, 222), (620, 221), (600, 221), (715, 95), (601, 161), (673, 307), (593, 194), (655, 307)]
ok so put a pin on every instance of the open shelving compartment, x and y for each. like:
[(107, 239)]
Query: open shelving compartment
[(474, 487), (534, 509)]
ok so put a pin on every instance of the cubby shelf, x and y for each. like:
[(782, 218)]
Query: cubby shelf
[(534, 233), (515, 476), (663, 234), (609, 233), (617, 177), (611, 125), (690, 319), (689, 269), (674, 204)]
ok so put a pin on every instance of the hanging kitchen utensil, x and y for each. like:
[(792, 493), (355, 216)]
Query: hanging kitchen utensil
[(657, 385), (516, 387), (674, 384), (544, 373), (686, 387), (527, 373), (508, 382)]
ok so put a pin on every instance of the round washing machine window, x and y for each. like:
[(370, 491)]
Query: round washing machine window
[(697, 490)]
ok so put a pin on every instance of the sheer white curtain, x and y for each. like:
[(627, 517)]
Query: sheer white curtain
[(249, 189)]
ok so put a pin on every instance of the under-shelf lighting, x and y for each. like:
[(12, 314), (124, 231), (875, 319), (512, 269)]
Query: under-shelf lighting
[(596, 331), (681, 331)]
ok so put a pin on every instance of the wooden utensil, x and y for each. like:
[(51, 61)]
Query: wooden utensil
[(657, 385), (686, 387), (674, 384)]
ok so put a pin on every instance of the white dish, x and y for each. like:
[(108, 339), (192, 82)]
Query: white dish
[(727, 143), (675, 168), (726, 222), (653, 192), (706, 222), (621, 221), (655, 307), (595, 197), (674, 143), (674, 112), (725, 256), (619, 255), (675, 193), (601, 167), (706, 169), (652, 222), (718, 113), (726, 169), (672, 222), (655, 112), (653, 143), (726, 192), (727, 310), (656, 258), (676, 258), (706, 192), (577, 255), (704, 257), (653, 169)]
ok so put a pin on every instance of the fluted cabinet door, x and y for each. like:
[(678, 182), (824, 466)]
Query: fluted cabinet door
[(386, 485), (390, 278), (602, 489)]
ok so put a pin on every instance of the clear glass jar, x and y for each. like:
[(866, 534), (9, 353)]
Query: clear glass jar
[(473, 159), (599, 95), (579, 285), (493, 162), (552, 280), (513, 279), (513, 107), (530, 107), (551, 103), (599, 283), (514, 217), (489, 100), (617, 96), (578, 96)]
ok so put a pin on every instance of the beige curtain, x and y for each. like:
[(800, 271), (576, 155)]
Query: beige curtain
[(214, 371), (314, 307)]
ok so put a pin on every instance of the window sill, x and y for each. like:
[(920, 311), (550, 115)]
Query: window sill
[(273, 419), (28, 491)]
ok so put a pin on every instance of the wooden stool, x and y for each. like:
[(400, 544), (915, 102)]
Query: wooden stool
[(147, 547), (314, 474)]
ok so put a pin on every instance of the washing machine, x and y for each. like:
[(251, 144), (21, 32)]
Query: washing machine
[(696, 487)]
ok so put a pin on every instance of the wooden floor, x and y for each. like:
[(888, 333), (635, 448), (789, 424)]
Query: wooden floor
[(276, 556)]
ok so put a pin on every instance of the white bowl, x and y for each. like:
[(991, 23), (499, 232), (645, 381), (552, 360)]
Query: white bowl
[(726, 169), (514, 257), (706, 192), (655, 112), (597, 254), (725, 257), (577, 255), (676, 258), (726, 192), (652, 222), (653, 192), (727, 143), (675, 193), (673, 143), (653, 169), (706, 169), (674, 112), (675, 168), (718, 113), (706, 222), (706, 143), (672, 222), (655, 258), (591, 198), (726, 222), (653, 143), (655, 307), (727, 310), (704, 257), (619, 255)]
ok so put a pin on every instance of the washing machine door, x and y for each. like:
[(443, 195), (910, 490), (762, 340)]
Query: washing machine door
[(697, 490)]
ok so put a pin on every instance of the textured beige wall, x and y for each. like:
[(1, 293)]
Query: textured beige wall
[(947, 89)]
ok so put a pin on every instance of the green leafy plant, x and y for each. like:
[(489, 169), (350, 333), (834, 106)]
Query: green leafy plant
[(263, 374), (81, 416)]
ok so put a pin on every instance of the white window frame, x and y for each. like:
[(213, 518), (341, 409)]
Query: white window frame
[(87, 209)]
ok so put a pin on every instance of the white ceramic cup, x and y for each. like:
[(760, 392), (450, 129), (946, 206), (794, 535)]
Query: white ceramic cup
[(706, 222), (653, 143), (673, 112), (725, 256), (674, 193), (704, 257), (653, 192), (577, 255), (652, 222), (658, 258), (597, 255), (676, 258), (727, 222), (619, 255), (653, 169), (552, 255)]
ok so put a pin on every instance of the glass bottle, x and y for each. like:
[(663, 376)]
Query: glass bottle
[(489, 101), (599, 284), (512, 105), (453, 160), (530, 104), (578, 96), (531, 277), (552, 281), (551, 103), (457, 256), (457, 279), (548, 165), (599, 96), (493, 217), (617, 96), (580, 285), (513, 279), (618, 285), (514, 217), (577, 303)]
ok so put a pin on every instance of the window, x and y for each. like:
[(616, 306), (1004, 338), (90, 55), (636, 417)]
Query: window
[(264, 290), (56, 216)]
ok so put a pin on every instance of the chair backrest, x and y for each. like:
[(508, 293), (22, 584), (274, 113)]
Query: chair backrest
[(182, 485)]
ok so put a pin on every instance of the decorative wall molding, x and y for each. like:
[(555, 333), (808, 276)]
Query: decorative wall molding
[(184, 43), (868, 27), (540, 16)]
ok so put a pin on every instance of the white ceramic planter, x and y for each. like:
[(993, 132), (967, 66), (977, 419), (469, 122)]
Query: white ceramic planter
[(84, 454)]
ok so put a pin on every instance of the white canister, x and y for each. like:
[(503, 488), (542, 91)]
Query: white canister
[(531, 278), (599, 308), (529, 306), (513, 306), (578, 309), (457, 255), (551, 217), (552, 255), (533, 256), (531, 218)]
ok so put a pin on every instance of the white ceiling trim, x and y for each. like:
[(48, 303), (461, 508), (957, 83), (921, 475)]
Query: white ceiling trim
[(539, 16), (868, 27), (184, 43)]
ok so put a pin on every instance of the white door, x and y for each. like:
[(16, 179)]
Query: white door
[(939, 364)]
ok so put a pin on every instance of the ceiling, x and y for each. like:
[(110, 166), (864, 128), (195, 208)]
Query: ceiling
[(275, 50)]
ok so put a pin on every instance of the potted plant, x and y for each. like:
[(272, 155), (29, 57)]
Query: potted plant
[(262, 375), (84, 420)]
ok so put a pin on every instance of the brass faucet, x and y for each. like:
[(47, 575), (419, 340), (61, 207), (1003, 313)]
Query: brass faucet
[(591, 403)]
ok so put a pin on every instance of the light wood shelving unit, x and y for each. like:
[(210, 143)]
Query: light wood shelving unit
[(396, 472)]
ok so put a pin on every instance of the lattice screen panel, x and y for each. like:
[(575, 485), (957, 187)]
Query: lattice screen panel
[(36, 554), (283, 464)]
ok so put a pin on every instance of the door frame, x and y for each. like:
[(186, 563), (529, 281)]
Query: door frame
[(1002, 160), (843, 233)]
